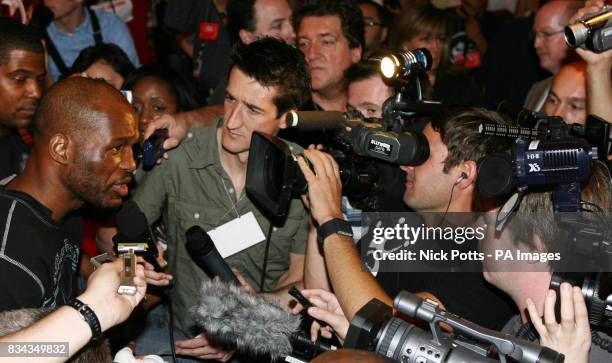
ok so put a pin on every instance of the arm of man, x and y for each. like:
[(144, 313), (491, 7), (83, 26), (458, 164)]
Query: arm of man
[(66, 325), (353, 287), (179, 124), (315, 272)]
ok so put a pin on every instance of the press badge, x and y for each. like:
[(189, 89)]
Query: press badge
[(237, 235)]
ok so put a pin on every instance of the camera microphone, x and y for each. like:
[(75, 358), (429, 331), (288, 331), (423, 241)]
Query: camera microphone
[(203, 252)]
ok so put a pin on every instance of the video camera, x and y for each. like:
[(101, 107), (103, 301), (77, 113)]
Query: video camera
[(375, 329), (593, 32), (549, 153), (358, 145), (273, 176)]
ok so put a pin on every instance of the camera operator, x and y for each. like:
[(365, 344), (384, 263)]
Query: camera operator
[(534, 228), (67, 325), (445, 182), (567, 97), (599, 70)]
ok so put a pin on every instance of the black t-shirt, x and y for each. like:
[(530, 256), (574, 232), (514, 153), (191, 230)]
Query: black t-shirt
[(13, 155), (38, 256), (466, 294)]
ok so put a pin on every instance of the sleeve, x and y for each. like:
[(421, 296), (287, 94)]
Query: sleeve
[(151, 192), (119, 34)]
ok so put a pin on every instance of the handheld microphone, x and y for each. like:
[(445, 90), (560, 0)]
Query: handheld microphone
[(134, 233), (203, 252), (243, 322)]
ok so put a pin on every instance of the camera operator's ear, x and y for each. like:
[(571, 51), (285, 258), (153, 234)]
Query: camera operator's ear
[(468, 174), (539, 245), (59, 148)]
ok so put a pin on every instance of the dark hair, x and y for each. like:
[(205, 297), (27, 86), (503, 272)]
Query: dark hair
[(240, 15), (458, 128), (351, 18), (365, 69), (16, 36), (184, 92), (384, 15), (274, 63), (108, 53)]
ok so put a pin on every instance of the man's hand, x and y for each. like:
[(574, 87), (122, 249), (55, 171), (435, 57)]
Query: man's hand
[(177, 126), (101, 293), (324, 185), (154, 277), (572, 336), (591, 57), (327, 309), (200, 348)]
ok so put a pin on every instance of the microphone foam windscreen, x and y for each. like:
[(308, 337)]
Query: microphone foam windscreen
[(131, 222), (246, 323)]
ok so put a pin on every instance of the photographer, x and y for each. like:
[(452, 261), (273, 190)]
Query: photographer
[(67, 325), (534, 229)]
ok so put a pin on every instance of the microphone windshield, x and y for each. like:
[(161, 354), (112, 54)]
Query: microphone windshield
[(131, 222), (243, 322)]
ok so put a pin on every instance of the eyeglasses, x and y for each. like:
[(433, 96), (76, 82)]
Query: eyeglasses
[(543, 35), (370, 22)]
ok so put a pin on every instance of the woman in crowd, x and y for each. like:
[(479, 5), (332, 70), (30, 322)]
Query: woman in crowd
[(157, 91), (425, 27)]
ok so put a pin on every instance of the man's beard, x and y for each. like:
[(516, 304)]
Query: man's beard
[(82, 183)]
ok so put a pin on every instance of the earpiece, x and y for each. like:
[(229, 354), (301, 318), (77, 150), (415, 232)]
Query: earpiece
[(463, 176)]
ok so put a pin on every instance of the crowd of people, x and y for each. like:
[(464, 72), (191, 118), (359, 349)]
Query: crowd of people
[(76, 106)]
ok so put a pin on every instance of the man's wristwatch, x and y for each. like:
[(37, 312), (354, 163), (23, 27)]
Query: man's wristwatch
[(336, 225)]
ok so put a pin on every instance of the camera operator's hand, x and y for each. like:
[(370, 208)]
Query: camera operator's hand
[(177, 126), (101, 293), (328, 310), (199, 347), (591, 57), (324, 185), (572, 336)]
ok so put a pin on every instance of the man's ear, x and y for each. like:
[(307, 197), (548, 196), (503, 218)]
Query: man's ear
[(470, 169), (246, 36), (540, 246), (356, 54), (59, 148)]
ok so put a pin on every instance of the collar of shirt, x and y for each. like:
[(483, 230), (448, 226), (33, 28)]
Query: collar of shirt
[(83, 27), (204, 151)]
